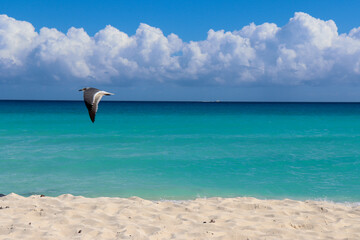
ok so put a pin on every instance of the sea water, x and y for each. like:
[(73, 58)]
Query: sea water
[(181, 150)]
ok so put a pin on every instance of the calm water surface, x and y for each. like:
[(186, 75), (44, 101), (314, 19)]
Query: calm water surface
[(159, 150)]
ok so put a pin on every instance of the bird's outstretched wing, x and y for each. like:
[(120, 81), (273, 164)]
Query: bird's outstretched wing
[(89, 99), (94, 106), (92, 97), (91, 111)]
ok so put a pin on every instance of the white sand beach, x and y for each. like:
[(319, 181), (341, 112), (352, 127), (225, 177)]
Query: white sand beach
[(76, 217)]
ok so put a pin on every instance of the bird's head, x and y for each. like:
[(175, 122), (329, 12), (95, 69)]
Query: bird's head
[(83, 89)]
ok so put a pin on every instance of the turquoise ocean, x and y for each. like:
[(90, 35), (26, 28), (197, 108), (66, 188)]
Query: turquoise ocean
[(181, 150)]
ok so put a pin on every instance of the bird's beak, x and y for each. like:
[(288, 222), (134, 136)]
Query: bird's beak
[(81, 90)]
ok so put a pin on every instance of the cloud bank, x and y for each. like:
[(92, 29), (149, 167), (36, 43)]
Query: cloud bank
[(306, 51)]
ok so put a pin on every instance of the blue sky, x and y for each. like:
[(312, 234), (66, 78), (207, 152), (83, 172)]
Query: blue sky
[(187, 18), (183, 66)]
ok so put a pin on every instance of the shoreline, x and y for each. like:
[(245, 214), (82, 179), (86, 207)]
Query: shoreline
[(352, 203), (77, 217)]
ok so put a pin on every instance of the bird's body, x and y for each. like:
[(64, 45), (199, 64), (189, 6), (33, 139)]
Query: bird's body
[(92, 97)]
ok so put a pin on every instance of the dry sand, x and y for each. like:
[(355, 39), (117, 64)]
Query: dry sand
[(70, 217)]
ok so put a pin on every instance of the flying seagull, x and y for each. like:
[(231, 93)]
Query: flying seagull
[(92, 97)]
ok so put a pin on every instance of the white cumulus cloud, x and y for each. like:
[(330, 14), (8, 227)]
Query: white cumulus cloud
[(305, 51)]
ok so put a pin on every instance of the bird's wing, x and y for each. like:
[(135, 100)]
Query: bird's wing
[(94, 106), (89, 96), (91, 111), (97, 98)]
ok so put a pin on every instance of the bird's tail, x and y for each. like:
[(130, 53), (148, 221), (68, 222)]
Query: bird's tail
[(107, 93)]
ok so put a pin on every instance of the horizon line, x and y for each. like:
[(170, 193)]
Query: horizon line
[(180, 101)]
